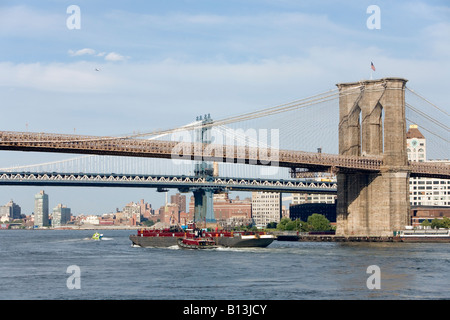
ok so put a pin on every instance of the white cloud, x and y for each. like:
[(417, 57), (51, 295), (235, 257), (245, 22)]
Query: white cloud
[(112, 56), (81, 52), (279, 77)]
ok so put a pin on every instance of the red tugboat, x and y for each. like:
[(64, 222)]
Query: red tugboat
[(195, 239), (167, 237)]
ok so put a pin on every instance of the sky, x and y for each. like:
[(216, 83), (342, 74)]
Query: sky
[(162, 63)]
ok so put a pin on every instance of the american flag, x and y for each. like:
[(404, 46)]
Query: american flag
[(372, 66)]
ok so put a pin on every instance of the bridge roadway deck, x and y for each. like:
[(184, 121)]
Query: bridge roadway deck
[(116, 146)]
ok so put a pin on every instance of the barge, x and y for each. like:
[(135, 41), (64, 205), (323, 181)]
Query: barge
[(167, 237), (422, 235)]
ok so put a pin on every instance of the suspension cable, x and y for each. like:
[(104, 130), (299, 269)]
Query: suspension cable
[(414, 92), (423, 114), (315, 99), (429, 131)]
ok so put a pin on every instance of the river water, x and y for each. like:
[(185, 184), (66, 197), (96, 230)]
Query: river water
[(39, 265)]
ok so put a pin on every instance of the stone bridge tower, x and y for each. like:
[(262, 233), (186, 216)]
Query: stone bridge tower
[(372, 122)]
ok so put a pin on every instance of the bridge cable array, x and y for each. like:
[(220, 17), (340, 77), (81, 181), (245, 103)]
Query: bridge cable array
[(313, 100)]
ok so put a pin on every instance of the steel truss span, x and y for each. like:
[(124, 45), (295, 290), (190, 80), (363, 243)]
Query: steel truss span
[(147, 181)]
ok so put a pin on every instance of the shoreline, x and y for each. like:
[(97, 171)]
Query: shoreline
[(334, 238), (78, 228)]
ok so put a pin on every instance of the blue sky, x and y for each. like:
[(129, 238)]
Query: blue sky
[(164, 62)]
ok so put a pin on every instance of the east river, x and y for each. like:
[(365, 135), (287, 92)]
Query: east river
[(65, 264)]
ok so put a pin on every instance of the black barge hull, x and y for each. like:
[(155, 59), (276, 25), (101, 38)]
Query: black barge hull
[(230, 242)]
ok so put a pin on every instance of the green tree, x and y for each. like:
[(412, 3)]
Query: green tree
[(290, 226), (272, 225), (318, 222), (301, 225), (425, 223), (148, 223), (437, 223), (282, 224), (446, 222)]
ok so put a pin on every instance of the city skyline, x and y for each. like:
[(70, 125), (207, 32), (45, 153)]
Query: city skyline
[(142, 66), (53, 203)]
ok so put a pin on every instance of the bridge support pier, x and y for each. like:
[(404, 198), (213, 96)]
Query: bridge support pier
[(203, 205), (372, 122), (203, 197)]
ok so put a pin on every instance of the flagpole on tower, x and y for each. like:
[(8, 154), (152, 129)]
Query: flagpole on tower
[(372, 67)]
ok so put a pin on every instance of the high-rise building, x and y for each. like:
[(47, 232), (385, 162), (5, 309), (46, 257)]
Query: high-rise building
[(266, 208), (132, 211), (10, 210), (61, 215), (41, 209), (180, 201), (146, 209), (425, 191)]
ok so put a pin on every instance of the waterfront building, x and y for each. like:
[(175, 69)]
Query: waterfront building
[(305, 204), (266, 208), (61, 215), (416, 144), (130, 214), (146, 210), (425, 191), (107, 219), (90, 219), (41, 210), (171, 214), (304, 210), (420, 214), (132, 211), (10, 211), (301, 198), (180, 201)]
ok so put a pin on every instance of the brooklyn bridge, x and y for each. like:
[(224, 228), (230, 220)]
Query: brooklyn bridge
[(371, 166)]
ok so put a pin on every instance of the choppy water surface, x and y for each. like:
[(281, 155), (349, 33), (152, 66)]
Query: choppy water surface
[(33, 265)]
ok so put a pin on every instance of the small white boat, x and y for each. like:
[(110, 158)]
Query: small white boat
[(97, 236)]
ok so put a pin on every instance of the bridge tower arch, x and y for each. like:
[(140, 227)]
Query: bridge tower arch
[(372, 122)]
